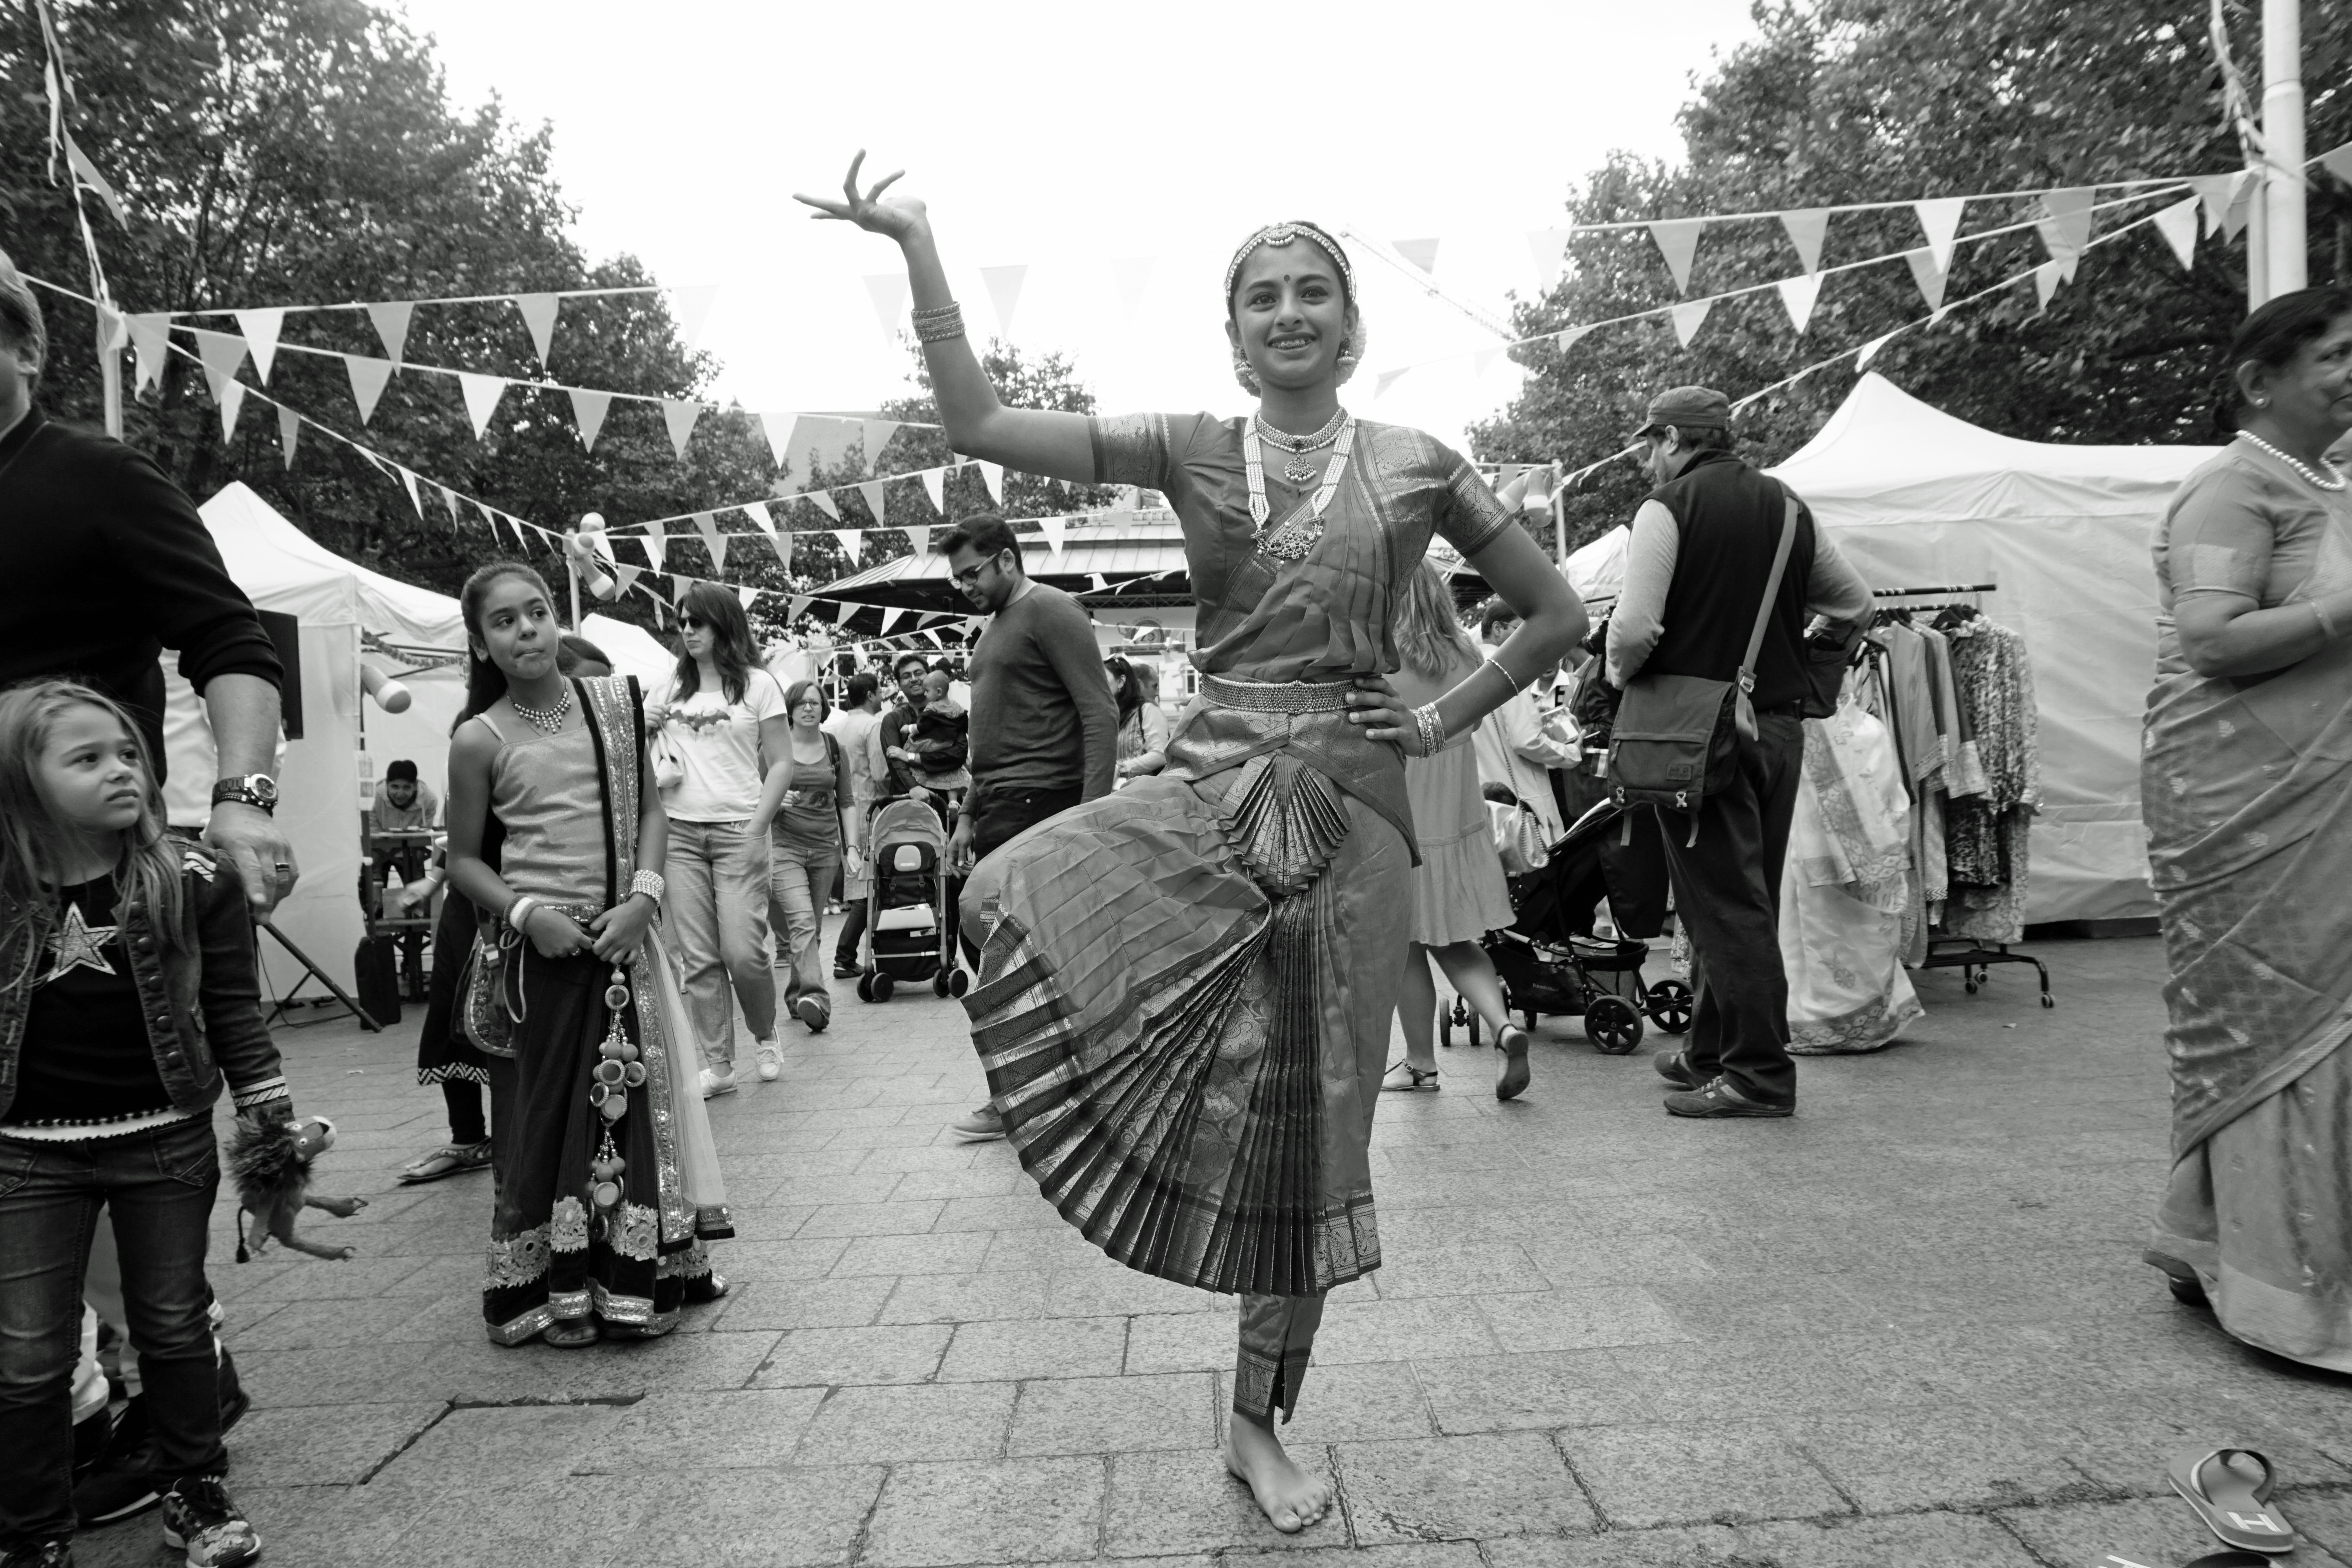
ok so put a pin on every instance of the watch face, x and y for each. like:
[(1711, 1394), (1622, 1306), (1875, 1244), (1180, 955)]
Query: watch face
[(264, 787)]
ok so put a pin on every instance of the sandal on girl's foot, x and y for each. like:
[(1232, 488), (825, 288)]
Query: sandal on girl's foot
[(570, 1333), (1404, 1079), (1512, 1080), (447, 1160), (704, 1289), (637, 1331)]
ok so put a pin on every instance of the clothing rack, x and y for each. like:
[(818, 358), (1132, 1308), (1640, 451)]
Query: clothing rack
[(1945, 588)]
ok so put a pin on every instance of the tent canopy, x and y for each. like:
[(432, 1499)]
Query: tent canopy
[(282, 568), (1915, 498)]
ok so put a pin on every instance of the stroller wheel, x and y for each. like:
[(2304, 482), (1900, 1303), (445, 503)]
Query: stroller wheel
[(1668, 1003), (940, 985), (1612, 1025), (866, 988), (883, 986), (958, 983), (1472, 1027)]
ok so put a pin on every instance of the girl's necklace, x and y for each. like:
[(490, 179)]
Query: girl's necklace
[(2336, 482), (1298, 471), (549, 720), (1294, 539)]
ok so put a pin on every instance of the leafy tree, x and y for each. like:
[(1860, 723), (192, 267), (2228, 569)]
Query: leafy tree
[(1859, 100)]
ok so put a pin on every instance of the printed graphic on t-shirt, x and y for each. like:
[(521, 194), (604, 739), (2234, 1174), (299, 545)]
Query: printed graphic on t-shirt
[(77, 944)]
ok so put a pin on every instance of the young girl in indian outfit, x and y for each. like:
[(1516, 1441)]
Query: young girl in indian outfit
[(127, 995), (1186, 985), (607, 1184)]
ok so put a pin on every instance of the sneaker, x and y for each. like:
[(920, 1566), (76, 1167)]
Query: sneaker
[(1674, 1070), (772, 1062), (981, 1126), (39, 1555), (814, 1013), (716, 1081), (845, 971), (122, 1483), (1719, 1099), (200, 1520)]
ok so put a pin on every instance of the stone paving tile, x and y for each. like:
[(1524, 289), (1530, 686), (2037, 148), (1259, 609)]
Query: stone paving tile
[(1577, 1320), (927, 1421), (893, 1352), (967, 1298), (994, 1510), (1184, 1342), (293, 1447), (754, 1518), (1460, 1489), (785, 1304), (959, 1253), (1362, 1403), (469, 1447), (2148, 1531), (1699, 1473), (1057, 1347), (1515, 1393), (742, 1429), (1916, 1541), (1946, 1456), (1115, 1414)]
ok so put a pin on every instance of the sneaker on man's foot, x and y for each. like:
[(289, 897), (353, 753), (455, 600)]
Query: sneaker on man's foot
[(845, 971), (813, 1013), (1719, 1099), (123, 1482), (200, 1519), (772, 1062), (981, 1126), (1674, 1070), (39, 1555), (716, 1081)]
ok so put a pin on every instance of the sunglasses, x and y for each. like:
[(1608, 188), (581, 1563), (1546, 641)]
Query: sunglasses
[(692, 622)]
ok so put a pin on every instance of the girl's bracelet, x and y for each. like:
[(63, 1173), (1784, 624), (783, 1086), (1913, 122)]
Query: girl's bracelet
[(519, 911), (650, 884), (1429, 728)]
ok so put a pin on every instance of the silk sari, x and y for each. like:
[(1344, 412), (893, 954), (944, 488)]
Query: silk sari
[(2247, 787)]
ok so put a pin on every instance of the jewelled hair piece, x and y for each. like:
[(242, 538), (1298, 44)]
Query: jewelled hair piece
[(1281, 234)]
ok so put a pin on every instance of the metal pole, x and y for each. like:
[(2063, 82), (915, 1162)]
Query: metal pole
[(2258, 252), (2285, 245)]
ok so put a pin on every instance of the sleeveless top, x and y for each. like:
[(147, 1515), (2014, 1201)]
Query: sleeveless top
[(816, 818), (544, 789)]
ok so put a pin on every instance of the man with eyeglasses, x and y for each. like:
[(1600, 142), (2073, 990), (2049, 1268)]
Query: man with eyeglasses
[(1044, 727)]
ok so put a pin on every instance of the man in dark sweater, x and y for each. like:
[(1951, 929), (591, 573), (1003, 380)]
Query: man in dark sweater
[(105, 565), (1695, 568), (1044, 726)]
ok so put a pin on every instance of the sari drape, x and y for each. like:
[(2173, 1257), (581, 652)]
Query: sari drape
[(2247, 787)]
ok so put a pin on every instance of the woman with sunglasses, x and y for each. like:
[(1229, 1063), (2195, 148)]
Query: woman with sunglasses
[(722, 762)]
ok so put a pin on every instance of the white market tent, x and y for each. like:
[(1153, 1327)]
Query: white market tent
[(346, 738), (1916, 497)]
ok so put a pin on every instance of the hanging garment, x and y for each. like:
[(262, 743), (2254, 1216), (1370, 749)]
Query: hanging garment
[(1844, 889)]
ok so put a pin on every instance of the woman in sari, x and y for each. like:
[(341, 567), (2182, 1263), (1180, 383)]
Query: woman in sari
[(1185, 986), (607, 1181), (2246, 779)]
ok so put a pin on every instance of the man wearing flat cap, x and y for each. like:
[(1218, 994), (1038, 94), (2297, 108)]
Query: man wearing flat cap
[(1695, 569)]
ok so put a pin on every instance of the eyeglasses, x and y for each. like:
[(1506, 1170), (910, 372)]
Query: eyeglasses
[(970, 576)]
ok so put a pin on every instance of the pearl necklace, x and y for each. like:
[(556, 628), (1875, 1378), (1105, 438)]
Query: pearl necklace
[(549, 720), (2298, 464), (1294, 539), (1298, 471)]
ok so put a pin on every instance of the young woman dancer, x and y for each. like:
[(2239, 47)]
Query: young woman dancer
[(1186, 985), (607, 1184), (128, 994), (1458, 892), (723, 719)]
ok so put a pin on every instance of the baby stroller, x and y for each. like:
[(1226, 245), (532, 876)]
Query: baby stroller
[(908, 934), (1550, 960)]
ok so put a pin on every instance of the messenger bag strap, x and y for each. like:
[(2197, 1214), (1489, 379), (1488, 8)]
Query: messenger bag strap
[(1772, 595)]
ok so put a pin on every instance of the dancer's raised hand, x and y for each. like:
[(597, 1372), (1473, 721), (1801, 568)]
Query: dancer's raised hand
[(897, 217)]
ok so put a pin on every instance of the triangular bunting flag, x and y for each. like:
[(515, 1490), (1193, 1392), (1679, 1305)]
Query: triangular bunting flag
[(888, 292), (2045, 282), (2068, 227), (1928, 276), (79, 161), (2213, 192), (151, 338), (1677, 240), (626, 576), (991, 475), (1004, 293), (409, 481), (1808, 227), (369, 378), (1054, 529), (391, 325), (680, 417), (1690, 317), (758, 513), (935, 639), (1550, 249), (799, 607), (449, 504), (2338, 163), (113, 329), (1133, 274), (1870, 350), (588, 411), (842, 611), (261, 329), (1565, 340), (539, 313), (221, 353), (690, 307), (1798, 296), (853, 543), (823, 500), (872, 490), (745, 594), (289, 431), (878, 434), (1484, 360), (890, 618), (2246, 186), (1101, 583), (232, 400), (2178, 224), (1386, 378), (1422, 253), (935, 485), (482, 394), (1941, 219), (778, 429), (657, 543), (707, 524), (489, 519)]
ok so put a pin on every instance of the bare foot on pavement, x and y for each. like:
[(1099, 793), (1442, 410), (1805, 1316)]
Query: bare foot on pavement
[(1291, 1498)]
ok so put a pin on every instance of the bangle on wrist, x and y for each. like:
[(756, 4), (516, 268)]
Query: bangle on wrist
[(650, 884), (519, 913), (939, 324)]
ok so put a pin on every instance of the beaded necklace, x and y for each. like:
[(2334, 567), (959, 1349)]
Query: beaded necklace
[(2298, 464), (549, 720), (1295, 538), (1298, 471)]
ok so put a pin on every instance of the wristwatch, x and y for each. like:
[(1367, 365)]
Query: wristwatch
[(257, 790)]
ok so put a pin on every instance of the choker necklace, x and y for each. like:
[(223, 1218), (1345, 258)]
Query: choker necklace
[(1298, 471), (1296, 537), (2334, 483), (550, 719)]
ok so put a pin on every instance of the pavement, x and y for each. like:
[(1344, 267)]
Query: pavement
[(1908, 1327)]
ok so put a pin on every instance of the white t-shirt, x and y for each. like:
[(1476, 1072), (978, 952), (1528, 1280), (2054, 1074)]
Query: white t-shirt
[(853, 727), (717, 743)]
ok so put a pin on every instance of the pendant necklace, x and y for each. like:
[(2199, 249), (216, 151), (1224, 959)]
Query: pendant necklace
[(1298, 471), (551, 718), (2299, 465), (1295, 538)]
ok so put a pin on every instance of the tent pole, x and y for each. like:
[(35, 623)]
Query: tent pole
[(2286, 248)]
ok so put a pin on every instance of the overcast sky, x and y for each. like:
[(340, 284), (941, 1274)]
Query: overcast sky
[(1117, 151)]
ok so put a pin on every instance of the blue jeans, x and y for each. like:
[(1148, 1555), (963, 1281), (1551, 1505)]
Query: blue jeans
[(158, 1186), (716, 907), (801, 871)]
